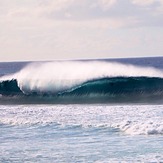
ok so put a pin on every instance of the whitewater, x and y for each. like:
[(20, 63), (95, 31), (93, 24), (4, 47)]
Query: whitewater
[(60, 76), (82, 82), (82, 111)]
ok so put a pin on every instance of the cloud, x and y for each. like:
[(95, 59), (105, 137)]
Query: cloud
[(40, 29), (106, 4), (143, 2), (156, 6), (80, 14), (56, 5), (80, 10)]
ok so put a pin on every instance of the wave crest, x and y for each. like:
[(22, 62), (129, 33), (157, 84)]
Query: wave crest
[(93, 79), (60, 76)]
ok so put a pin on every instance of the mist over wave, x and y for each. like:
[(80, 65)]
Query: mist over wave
[(82, 82), (60, 76)]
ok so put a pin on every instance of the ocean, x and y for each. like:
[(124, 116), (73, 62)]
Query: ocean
[(74, 111)]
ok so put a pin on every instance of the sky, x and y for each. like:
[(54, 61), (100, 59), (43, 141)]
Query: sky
[(80, 29)]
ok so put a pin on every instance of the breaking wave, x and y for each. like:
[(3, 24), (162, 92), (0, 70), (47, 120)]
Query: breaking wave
[(82, 82)]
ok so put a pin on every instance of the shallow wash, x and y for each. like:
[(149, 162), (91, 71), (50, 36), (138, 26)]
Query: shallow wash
[(70, 133)]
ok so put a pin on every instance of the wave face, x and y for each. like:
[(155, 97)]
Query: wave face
[(82, 82)]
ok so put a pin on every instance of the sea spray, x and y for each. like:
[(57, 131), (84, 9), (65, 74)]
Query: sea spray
[(82, 82), (60, 76)]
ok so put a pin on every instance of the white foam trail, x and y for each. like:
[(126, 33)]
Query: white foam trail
[(131, 119), (58, 76), (141, 128)]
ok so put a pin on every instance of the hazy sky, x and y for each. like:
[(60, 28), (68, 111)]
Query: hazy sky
[(73, 29)]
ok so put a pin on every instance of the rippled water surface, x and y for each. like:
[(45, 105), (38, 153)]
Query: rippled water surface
[(81, 133)]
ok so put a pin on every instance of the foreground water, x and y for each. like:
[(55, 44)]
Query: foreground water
[(82, 111), (81, 133)]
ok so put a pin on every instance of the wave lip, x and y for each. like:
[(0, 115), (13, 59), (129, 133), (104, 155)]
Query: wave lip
[(82, 82), (119, 86), (61, 76), (10, 87), (116, 89)]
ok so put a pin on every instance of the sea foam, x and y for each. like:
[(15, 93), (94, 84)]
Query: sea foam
[(63, 75), (130, 119)]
